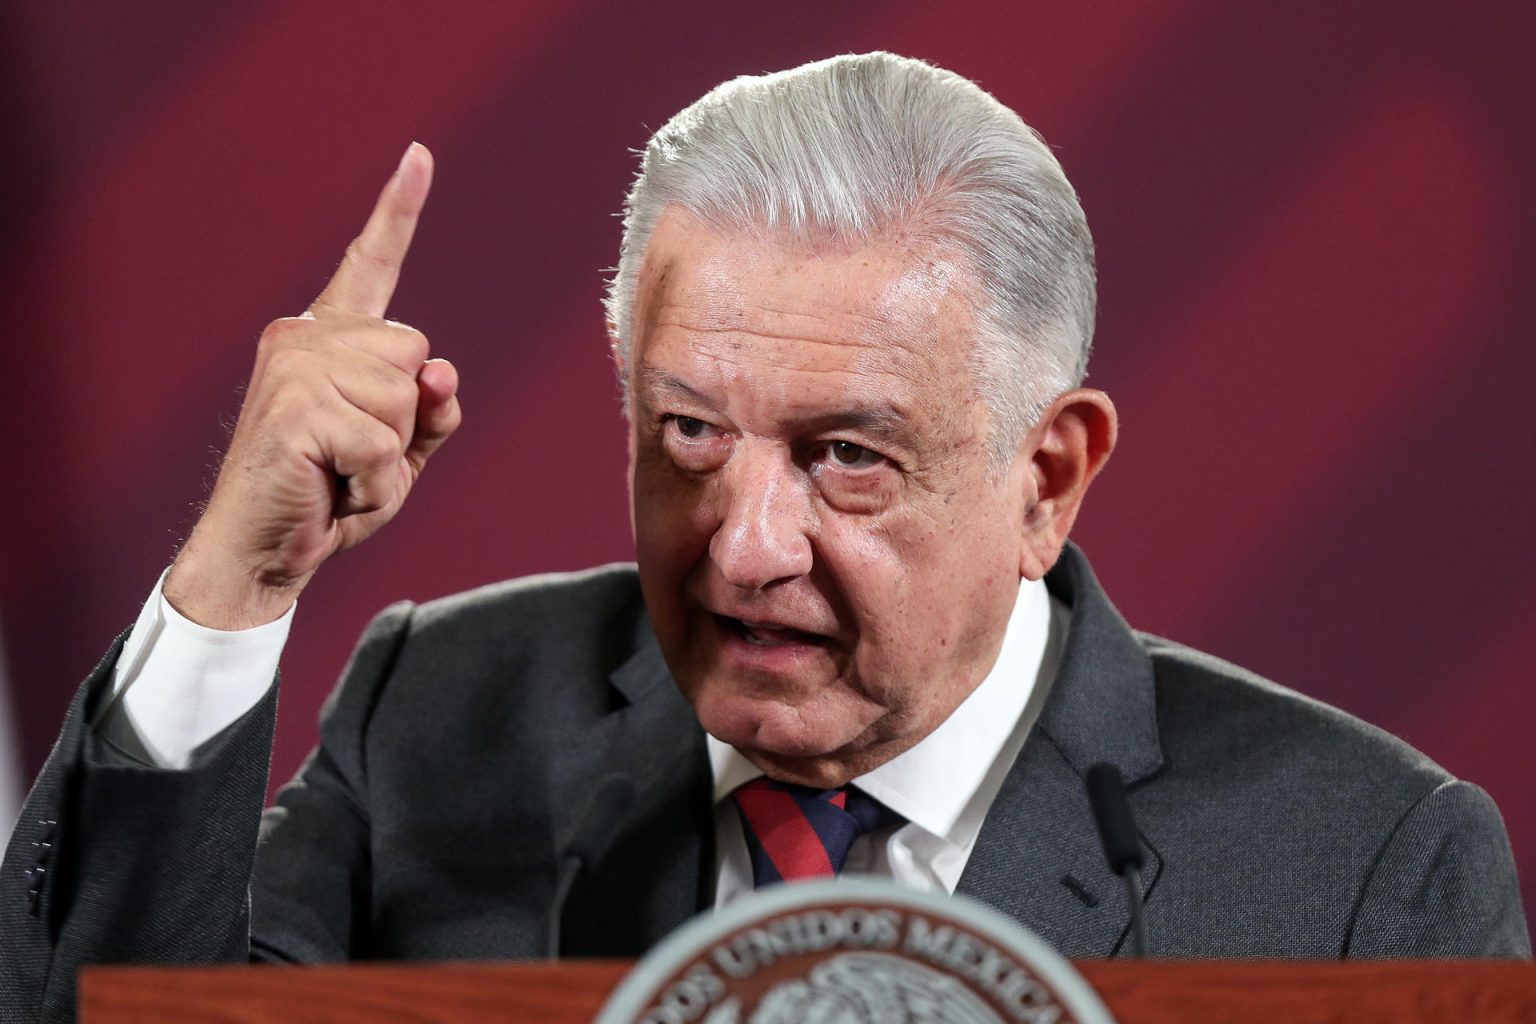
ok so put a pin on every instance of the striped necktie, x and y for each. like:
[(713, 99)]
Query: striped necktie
[(796, 832)]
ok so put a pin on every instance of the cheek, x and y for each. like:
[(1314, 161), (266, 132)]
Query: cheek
[(882, 572), (928, 594), (673, 518)]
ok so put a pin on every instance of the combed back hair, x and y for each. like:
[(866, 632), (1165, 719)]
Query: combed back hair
[(874, 146)]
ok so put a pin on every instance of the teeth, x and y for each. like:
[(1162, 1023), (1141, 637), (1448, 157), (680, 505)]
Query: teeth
[(762, 634), (767, 634)]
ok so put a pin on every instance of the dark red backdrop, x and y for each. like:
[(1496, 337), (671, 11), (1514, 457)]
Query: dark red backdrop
[(1316, 232)]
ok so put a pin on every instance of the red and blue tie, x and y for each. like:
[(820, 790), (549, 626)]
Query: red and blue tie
[(796, 832)]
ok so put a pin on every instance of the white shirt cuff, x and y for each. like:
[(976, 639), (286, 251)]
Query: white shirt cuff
[(177, 684)]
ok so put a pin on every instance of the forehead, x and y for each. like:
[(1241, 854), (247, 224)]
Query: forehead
[(719, 301)]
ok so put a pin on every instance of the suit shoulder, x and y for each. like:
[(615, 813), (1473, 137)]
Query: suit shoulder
[(541, 629), (1339, 838), (529, 656), (1214, 713), (585, 594)]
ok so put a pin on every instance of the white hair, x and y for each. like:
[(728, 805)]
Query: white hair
[(862, 146)]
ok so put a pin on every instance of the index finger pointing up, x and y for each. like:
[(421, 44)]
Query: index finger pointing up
[(365, 281)]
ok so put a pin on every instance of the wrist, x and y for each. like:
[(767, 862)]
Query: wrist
[(220, 593)]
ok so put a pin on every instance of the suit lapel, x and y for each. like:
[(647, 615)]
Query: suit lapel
[(1037, 859), (657, 872), (1038, 856)]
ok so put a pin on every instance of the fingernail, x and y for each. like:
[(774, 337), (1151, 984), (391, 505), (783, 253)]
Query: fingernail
[(405, 157)]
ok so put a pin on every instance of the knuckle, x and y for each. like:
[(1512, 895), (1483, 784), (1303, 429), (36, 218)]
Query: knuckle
[(365, 492), (396, 387), (282, 331), (378, 445), (414, 342), (407, 394), (402, 396)]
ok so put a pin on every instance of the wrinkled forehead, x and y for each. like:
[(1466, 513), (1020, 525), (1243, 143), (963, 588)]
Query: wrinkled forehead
[(770, 284)]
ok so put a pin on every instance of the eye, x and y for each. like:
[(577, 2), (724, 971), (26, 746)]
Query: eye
[(847, 455), (688, 426), (695, 445)]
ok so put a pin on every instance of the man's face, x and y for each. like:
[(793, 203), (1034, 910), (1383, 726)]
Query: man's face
[(828, 555)]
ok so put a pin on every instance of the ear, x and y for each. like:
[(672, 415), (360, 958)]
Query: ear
[(1064, 452)]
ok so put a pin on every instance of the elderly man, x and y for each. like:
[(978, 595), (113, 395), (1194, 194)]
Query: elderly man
[(850, 320)]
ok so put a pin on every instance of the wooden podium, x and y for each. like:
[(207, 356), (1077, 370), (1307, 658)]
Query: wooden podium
[(1151, 992)]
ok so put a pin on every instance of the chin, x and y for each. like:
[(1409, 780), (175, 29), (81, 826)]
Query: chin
[(755, 724), (788, 742)]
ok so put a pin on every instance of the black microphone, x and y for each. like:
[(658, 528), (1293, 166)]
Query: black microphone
[(1122, 841), (589, 840)]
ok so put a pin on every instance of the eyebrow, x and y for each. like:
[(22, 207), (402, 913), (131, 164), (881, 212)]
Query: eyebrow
[(881, 420), (652, 379)]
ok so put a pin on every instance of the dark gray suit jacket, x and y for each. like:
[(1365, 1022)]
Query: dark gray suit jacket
[(466, 734)]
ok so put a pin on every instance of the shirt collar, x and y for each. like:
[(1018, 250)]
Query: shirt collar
[(932, 784)]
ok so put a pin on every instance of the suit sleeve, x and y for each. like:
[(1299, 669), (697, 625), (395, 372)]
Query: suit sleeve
[(1444, 884), (311, 891), (112, 861)]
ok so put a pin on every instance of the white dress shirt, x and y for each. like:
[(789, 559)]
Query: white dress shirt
[(177, 684), (943, 786)]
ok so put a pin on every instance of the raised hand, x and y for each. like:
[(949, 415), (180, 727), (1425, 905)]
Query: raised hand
[(343, 410)]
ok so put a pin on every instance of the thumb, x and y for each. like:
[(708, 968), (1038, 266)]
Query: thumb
[(437, 410)]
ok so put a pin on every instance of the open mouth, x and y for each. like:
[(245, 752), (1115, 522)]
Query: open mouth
[(767, 634)]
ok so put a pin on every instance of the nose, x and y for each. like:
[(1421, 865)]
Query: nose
[(765, 521)]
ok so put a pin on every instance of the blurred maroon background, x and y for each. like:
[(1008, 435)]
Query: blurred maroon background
[(1316, 231)]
